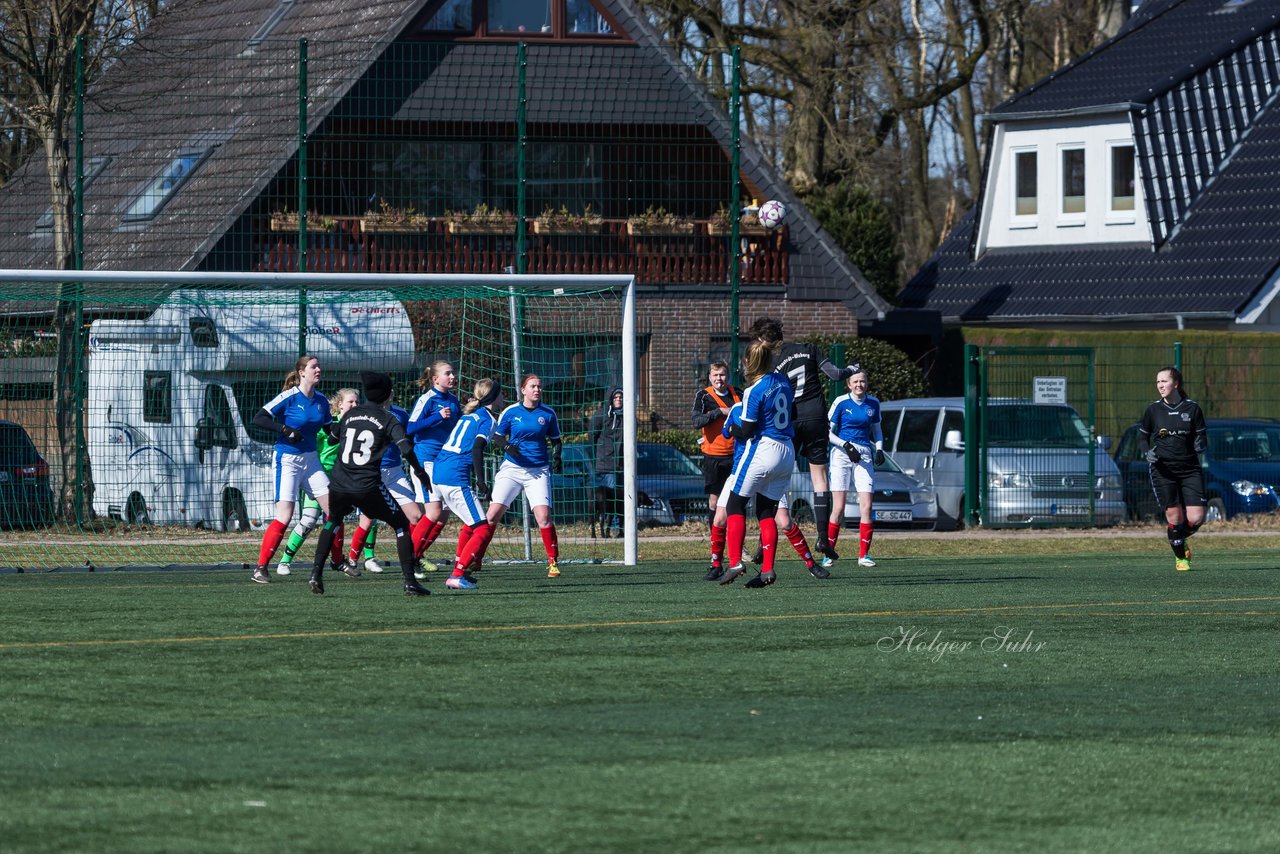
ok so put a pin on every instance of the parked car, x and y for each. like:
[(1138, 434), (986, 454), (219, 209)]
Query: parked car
[(1043, 465), (26, 500), (1241, 470), (668, 483), (573, 495), (899, 500)]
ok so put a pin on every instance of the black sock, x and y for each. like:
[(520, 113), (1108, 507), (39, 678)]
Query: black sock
[(323, 544), (404, 550), (1178, 541), (822, 515)]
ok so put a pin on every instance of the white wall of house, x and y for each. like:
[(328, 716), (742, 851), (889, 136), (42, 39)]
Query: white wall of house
[(1066, 207)]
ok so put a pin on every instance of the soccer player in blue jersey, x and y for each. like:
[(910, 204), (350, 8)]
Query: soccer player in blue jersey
[(400, 490), (462, 455), (433, 417), (765, 468), (782, 518), (296, 415), (857, 447), (529, 434)]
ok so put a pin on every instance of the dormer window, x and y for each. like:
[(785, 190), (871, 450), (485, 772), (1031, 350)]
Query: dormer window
[(1072, 185), (1026, 184), (519, 18)]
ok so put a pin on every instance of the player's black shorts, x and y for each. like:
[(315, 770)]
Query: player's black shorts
[(715, 471), (1178, 486), (811, 439), (376, 503)]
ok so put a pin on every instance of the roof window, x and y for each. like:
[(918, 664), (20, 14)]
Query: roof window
[(268, 26), (156, 194)]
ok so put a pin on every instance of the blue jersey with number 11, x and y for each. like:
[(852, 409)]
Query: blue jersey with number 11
[(768, 403), (453, 463)]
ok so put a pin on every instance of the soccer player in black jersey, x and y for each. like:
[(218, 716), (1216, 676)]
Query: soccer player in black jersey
[(356, 479), (805, 365), (1172, 435)]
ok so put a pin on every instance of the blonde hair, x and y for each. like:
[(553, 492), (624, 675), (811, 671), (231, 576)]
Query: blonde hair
[(482, 388), (429, 373), (335, 403), (294, 377), (758, 360)]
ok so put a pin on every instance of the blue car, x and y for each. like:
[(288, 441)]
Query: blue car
[(1241, 470)]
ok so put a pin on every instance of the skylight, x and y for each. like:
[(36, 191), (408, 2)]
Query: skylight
[(161, 188), (273, 20)]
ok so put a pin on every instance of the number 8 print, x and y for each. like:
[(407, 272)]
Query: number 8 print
[(781, 412)]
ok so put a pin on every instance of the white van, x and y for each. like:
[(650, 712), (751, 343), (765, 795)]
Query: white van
[(171, 397), (1038, 461)]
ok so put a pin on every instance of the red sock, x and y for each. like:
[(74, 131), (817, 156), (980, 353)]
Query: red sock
[(464, 534), (357, 542), (799, 543), (735, 528), (864, 538), (550, 542), (420, 529), (271, 541), (335, 551), (436, 528), (475, 546), (717, 545), (833, 533), (769, 543)]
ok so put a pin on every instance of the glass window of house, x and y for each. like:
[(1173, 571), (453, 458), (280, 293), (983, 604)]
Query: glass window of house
[(1123, 173), (1073, 180), (1025, 183)]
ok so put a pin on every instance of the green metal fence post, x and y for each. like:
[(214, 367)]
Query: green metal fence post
[(735, 205), (837, 359), (522, 143), (1177, 355), (302, 193), (972, 440), (82, 464)]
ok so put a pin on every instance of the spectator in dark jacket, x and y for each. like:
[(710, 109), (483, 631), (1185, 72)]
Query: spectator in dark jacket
[(606, 438)]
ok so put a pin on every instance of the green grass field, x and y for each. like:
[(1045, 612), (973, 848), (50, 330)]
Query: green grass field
[(1074, 695)]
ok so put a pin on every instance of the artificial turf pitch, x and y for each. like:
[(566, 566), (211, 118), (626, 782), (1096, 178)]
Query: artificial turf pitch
[(628, 709)]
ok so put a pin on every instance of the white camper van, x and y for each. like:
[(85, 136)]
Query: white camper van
[(170, 397)]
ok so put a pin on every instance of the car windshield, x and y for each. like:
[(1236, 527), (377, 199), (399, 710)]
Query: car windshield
[(15, 447), (1031, 426), (1249, 443), (664, 460)]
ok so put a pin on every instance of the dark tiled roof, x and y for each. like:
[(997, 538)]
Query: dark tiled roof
[(1163, 43)]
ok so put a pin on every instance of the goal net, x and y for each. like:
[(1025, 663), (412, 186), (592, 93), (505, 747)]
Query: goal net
[(127, 400)]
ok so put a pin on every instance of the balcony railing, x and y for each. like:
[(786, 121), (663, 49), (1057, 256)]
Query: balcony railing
[(697, 258)]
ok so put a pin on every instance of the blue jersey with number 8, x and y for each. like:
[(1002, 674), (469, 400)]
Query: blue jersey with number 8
[(768, 403)]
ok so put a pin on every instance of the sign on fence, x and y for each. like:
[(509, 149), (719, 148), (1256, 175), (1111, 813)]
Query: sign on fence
[(1049, 390)]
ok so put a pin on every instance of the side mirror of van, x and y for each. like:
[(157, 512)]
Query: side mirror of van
[(953, 441), (1104, 442), (204, 434)]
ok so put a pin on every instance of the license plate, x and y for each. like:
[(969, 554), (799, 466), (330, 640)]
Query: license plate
[(892, 515), (1073, 510)]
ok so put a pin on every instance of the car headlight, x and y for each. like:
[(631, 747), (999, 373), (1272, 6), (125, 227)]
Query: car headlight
[(921, 496), (1109, 481), (1248, 487), (1010, 481)]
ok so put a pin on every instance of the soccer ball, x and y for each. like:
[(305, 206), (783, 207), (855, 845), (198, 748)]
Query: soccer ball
[(772, 213)]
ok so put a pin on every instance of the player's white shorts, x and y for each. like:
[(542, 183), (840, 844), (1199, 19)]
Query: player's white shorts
[(765, 468), (394, 479), (512, 479), (299, 471), (462, 502), (722, 500), (844, 470), (418, 494)]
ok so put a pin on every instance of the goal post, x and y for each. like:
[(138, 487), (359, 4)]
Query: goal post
[(134, 393)]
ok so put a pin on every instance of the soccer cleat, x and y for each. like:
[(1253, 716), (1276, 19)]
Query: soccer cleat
[(714, 573), (372, 565), (553, 569), (828, 551), (866, 560), (1182, 564), (261, 575), (316, 584), (413, 588), (827, 562), (459, 582), (764, 579), (731, 574), (350, 569), (818, 571), (469, 577), (423, 567), (757, 557), (282, 569)]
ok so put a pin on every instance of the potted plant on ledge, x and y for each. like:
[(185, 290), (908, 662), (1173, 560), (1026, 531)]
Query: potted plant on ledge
[(563, 221), (482, 219), (659, 222), (388, 219), (721, 225), (290, 220)]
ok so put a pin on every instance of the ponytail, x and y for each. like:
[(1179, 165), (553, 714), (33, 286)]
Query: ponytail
[(294, 377)]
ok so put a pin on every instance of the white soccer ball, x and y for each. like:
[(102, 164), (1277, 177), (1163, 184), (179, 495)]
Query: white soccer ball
[(772, 213)]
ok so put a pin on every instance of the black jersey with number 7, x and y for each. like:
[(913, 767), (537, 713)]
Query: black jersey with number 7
[(362, 435)]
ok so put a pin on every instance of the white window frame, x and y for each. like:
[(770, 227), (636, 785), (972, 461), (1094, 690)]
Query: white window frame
[(1017, 220), (1117, 216), (1074, 219)]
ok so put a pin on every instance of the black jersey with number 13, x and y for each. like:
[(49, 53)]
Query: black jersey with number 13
[(362, 435)]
